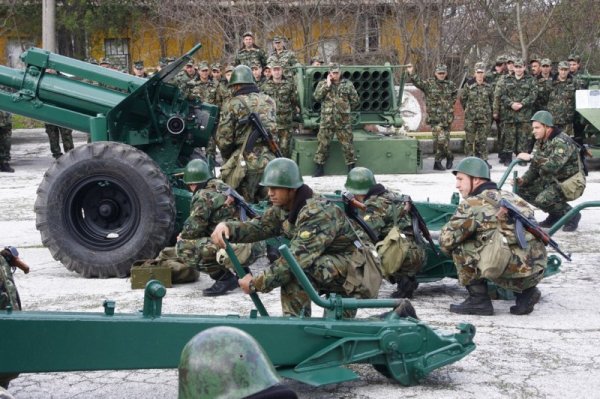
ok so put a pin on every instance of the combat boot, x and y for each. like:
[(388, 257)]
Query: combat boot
[(550, 220), (402, 309), (319, 170), (525, 301), (351, 166), (5, 167), (501, 156), (437, 165), (449, 162), (572, 224), (478, 302), (222, 286), (507, 159), (406, 287)]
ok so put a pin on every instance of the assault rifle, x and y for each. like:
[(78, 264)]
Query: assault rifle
[(259, 131), (351, 205), (418, 224), (245, 209), (523, 223)]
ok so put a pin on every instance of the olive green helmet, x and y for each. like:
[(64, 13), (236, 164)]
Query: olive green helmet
[(242, 74), (360, 180), (224, 362), (281, 172), (543, 117), (196, 171), (474, 167)]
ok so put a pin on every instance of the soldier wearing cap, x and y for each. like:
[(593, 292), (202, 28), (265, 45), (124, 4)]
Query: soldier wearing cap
[(286, 58), (544, 82), (517, 95), (535, 66), (139, 70), (477, 98), (267, 72), (256, 68), (316, 61), (561, 99), (440, 96), (338, 97), (579, 123), (283, 91), (494, 77), (105, 62), (215, 72), (187, 75), (250, 53)]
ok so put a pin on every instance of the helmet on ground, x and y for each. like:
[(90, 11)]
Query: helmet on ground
[(281, 172), (224, 362), (196, 171), (242, 74), (543, 117), (474, 167), (360, 180)]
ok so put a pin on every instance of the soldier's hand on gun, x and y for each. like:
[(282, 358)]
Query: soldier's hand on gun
[(229, 201), (217, 235)]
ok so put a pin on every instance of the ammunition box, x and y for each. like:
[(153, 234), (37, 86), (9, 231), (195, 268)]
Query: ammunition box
[(140, 275)]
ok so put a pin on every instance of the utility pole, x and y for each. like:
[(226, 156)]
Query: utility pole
[(49, 25)]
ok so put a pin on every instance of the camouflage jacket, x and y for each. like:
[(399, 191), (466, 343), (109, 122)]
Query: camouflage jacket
[(496, 108), (440, 96), (287, 59), (184, 81), (544, 85), (224, 93), (249, 57), (475, 221), (318, 228), (580, 83), (513, 90), (337, 102), (8, 289), (476, 100), (207, 210), (555, 158), (231, 134), (561, 101), (383, 208), (207, 92), (5, 119), (286, 97)]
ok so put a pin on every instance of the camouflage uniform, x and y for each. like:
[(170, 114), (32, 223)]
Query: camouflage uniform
[(440, 96), (231, 136), (249, 57), (337, 102), (321, 239), (516, 125), (494, 78), (286, 97), (561, 104), (544, 86), (471, 226), (55, 133), (207, 92), (553, 161), (287, 59), (184, 82), (5, 135), (477, 100), (8, 296), (207, 209)]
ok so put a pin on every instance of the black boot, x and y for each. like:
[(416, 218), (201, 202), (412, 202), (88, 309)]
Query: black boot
[(223, 285), (351, 166), (478, 302), (449, 162), (437, 165), (550, 220), (406, 287), (526, 300), (572, 224), (507, 159), (319, 170), (501, 156), (5, 167), (403, 309)]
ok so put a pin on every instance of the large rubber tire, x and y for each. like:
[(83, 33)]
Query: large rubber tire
[(102, 206)]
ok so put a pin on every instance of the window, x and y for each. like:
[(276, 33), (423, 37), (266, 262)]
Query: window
[(367, 35), (117, 50)]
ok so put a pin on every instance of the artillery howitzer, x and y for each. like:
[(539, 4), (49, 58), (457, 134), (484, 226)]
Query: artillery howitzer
[(106, 204)]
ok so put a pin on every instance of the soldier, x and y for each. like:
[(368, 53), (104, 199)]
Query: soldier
[(209, 206), (257, 70), (187, 75), (535, 66), (326, 245), (387, 215), (283, 91), (250, 53), (544, 81), (476, 99), (106, 63), (267, 73), (55, 134), (554, 159), (243, 166), (561, 99), (494, 78), (316, 61), (440, 96), (286, 58), (468, 233), (579, 122), (338, 97), (5, 142), (224, 91), (517, 94), (215, 72), (139, 70), (203, 88)]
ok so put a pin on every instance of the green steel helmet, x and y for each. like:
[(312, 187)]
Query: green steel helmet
[(196, 171), (474, 167), (226, 363), (543, 117), (281, 172), (360, 180), (242, 74)]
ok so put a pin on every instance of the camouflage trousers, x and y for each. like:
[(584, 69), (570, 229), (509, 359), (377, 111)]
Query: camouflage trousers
[(413, 262), (546, 195), (344, 136), (55, 133), (441, 141), (285, 141), (5, 136), (249, 187), (516, 137), (476, 134), (211, 148), (525, 268)]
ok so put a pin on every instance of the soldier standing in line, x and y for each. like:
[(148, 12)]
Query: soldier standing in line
[(5, 142), (338, 97), (579, 122), (283, 91), (544, 81), (267, 73), (517, 94), (206, 90), (535, 66), (476, 99), (494, 77), (257, 72), (469, 230), (224, 90), (325, 244), (187, 75), (139, 70), (316, 61), (55, 134), (440, 96), (561, 99), (250, 53), (284, 57)]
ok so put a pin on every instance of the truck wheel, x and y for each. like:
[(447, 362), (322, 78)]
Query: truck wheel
[(102, 206)]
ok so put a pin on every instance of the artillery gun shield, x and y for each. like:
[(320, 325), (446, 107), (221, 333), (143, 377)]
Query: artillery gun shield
[(102, 206)]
